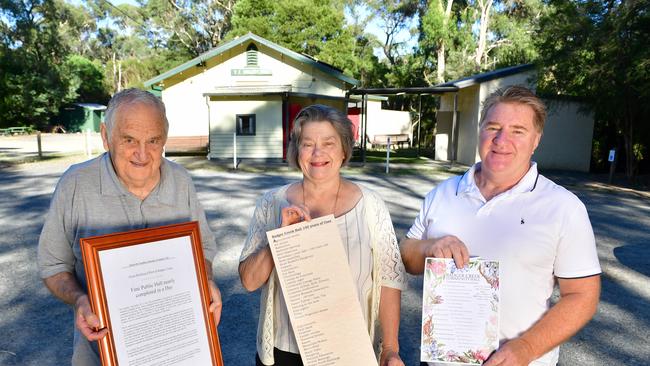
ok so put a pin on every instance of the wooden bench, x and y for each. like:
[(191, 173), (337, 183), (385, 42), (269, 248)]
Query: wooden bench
[(16, 131), (395, 139)]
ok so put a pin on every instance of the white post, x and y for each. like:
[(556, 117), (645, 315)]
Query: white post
[(387, 155), (234, 150), (88, 147), (38, 142)]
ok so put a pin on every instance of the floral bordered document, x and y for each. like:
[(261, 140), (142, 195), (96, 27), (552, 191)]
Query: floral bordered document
[(460, 311)]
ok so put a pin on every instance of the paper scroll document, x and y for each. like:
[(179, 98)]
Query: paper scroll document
[(323, 305)]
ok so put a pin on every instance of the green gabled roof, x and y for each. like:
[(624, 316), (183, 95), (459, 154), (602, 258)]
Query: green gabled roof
[(487, 76), (323, 67)]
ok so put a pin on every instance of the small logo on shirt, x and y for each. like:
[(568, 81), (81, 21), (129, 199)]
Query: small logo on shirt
[(522, 221)]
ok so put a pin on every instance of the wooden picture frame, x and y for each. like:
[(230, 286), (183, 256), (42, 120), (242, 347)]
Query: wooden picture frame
[(150, 289)]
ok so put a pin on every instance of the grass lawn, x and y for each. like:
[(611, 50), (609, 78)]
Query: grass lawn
[(397, 156)]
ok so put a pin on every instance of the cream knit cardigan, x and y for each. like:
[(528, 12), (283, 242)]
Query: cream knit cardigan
[(388, 269)]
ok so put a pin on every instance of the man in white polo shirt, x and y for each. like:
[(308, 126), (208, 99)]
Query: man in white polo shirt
[(503, 209)]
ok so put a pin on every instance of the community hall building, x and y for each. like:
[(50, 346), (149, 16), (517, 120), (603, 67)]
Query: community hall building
[(241, 97)]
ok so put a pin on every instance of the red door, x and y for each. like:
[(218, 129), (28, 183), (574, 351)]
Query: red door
[(293, 112), (354, 114)]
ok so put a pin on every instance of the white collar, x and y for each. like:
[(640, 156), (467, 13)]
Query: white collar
[(528, 183)]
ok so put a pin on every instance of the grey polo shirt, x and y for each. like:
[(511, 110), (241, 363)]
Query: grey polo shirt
[(90, 200)]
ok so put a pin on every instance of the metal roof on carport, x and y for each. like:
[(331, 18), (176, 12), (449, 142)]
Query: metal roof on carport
[(453, 86)]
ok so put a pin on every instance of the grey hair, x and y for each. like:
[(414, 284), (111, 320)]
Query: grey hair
[(320, 113), (517, 94), (129, 97)]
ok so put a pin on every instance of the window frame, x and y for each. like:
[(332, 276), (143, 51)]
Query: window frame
[(252, 124)]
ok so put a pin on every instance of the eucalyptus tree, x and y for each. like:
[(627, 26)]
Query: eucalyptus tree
[(599, 51), (36, 40), (315, 28), (460, 37), (196, 25)]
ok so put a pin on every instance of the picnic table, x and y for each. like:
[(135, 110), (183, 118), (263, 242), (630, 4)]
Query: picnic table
[(395, 139), (15, 131)]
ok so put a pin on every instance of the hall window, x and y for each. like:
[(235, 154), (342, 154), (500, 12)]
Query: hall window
[(246, 125)]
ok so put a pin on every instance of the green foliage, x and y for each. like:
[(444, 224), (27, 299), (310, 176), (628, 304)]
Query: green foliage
[(394, 17), (314, 28), (86, 80), (511, 30), (189, 26), (54, 52), (599, 50), (34, 83), (435, 28), (254, 16), (514, 30)]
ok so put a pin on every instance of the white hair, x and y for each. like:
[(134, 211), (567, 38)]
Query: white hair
[(133, 96)]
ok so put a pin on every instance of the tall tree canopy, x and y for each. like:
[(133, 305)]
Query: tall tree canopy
[(461, 37), (315, 28), (599, 51), (34, 79), (54, 52)]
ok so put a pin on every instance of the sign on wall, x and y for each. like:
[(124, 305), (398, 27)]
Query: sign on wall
[(250, 71)]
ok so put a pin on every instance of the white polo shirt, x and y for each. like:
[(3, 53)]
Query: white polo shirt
[(537, 230)]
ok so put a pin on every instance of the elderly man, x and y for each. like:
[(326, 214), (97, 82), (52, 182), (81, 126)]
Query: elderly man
[(503, 209), (130, 187)]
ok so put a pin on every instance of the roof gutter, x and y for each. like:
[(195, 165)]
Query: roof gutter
[(412, 90)]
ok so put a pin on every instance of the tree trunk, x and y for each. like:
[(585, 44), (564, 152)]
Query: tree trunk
[(441, 64), (119, 76), (115, 84), (485, 7), (630, 158)]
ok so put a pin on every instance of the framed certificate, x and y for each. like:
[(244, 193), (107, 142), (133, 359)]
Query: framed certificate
[(149, 288)]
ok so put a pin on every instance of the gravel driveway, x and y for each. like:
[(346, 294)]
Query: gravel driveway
[(36, 329)]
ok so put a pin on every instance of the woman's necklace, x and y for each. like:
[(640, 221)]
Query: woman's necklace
[(338, 190)]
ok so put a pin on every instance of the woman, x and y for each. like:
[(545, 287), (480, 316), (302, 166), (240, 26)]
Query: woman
[(321, 142)]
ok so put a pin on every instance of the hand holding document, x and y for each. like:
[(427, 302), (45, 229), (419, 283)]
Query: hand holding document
[(149, 288), (460, 311), (323, 307)]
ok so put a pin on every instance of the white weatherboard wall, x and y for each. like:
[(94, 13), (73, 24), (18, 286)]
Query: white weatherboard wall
[(186, 107), (470, 101), (267, 142), (284, 71), (567, 140), (187, 110)]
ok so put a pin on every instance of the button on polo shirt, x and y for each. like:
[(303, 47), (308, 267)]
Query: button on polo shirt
[(139, 213), (90, 201)]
